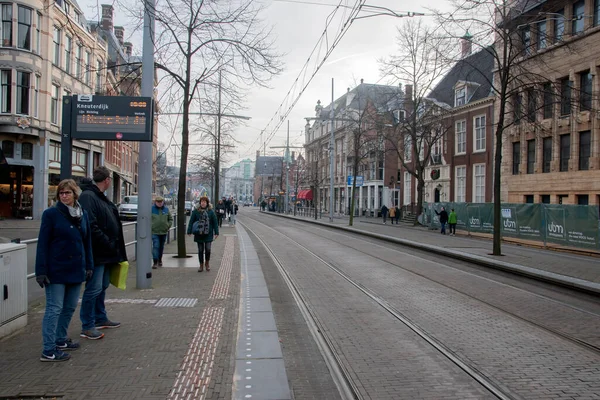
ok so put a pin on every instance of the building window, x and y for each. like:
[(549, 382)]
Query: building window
[(68, 49), (24, 31), (583, 199), (38, 34), (5, 89), (545, 198), (54, 105), (526, 40), (56, 39), (23, 85), (54, 151), (479, 126), (88, 60), (461, 137), (8, 148), (542, 43), (578, 17), (584, 150), (36, 97), (565, 152), (7, 11), (407, 182), (529, 198), (565, 96), (546, 154), (517, 104), (99, 68), (460, 97), (559, 25), (562, 198), (516, 157), (78, 17), (548, 100), (596, 12), (531, 105), (585, 91), (407, 148), (67, 8), (27, 151), (479, 183), (530, 156), (78, 61), (461, 184)]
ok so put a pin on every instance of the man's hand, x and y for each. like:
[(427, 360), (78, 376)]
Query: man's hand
[(42, 280), (216, 236), (88, 274)]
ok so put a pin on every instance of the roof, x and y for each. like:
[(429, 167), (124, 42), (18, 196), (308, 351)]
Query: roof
[(383, 97), (476, 68)]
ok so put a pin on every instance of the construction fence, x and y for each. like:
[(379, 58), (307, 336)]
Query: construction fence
[(567, 225)]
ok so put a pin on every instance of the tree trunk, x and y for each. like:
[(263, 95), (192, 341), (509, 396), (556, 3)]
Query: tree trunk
[(420, 189)]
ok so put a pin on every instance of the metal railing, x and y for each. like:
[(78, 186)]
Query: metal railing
[(132, 243)]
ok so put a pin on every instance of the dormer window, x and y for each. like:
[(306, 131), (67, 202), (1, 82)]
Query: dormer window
[(67, 8), (399, 116), (460, 97)]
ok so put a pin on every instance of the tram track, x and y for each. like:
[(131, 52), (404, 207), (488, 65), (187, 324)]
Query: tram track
[(344, 381)]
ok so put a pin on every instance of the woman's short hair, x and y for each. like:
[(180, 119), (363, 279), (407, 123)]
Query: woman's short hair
[(67, 184), (205, 199)]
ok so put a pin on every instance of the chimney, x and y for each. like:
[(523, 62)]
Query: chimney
[(128, 48), (293, 156), (361, 81), (466, 45), (408, 92), (107, 17), (257, 154), (120, 34)]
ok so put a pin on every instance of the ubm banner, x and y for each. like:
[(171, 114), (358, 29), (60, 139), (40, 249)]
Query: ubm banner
[(569, 225)]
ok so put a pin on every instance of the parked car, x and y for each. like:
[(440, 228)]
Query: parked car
[(128, 209), (246, 204), (188, 207)]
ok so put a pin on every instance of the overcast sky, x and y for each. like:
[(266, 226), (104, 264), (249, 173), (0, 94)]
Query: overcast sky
[(297, 27)]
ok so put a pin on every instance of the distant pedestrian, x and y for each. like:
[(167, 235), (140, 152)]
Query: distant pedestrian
[(204, 226), (384, 213), (234, 211), (220, 210), (108, 246), (162, 220), (452, 220), (397, 215), (392, 214), (63, 262), (263, 205), (443, 219)]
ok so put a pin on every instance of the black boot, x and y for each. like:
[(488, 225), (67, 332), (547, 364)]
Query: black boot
[(160, 262), (154, 266)]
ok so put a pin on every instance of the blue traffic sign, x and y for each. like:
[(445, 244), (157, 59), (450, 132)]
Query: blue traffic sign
[(359, 180)]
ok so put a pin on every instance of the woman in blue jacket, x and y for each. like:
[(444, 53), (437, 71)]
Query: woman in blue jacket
[(63, 262)]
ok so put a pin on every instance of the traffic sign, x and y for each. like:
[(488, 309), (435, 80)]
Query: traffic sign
[(359, 180)]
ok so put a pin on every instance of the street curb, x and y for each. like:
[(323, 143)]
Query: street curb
[(545, 276)]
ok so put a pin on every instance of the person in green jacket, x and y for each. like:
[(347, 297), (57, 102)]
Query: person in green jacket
[(452, 219), (162, 220), (204, 226)]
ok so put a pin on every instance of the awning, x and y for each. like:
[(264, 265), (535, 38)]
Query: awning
[(305, 194)]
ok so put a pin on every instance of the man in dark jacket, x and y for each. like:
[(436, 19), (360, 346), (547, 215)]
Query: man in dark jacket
[(108, 247), (443, 219)]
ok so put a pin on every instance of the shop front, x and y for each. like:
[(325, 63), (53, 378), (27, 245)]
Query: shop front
[(16, 191)]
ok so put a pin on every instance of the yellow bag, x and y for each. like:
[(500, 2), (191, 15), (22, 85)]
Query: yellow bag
[(118, 274)]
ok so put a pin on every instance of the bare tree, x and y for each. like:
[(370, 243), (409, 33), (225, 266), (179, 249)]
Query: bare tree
[(421, 60), (509, 31), (196, 42)]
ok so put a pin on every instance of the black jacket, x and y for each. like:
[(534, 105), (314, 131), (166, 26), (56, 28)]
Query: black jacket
[(443, 216), (108, 244)]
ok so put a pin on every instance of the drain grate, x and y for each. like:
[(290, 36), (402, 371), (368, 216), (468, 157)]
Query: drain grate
[(176, 302)]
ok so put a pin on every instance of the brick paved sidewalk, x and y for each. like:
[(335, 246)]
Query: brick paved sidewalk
[(144, 358)]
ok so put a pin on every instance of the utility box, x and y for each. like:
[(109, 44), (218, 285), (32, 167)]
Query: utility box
[(13, 287)]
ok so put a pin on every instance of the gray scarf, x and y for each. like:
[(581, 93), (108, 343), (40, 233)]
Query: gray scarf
[(76, 211)]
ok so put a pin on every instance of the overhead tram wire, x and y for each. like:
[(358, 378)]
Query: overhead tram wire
[(355, 10)]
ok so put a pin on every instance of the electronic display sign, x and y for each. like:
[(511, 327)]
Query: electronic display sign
[(112, 118)]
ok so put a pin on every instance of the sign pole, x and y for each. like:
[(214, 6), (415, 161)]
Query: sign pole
[(144, 239), (66, 141)]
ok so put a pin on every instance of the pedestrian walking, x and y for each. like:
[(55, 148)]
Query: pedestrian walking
[(392, 214), (220, 210), (384, 213), (452, 220), (397, 215), (63, 262), (162, 220), (443, 219), (234, 211), (204, 225), (108, 247)]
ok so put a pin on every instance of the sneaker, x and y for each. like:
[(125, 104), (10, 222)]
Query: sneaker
[(69, 344), (93, 334), (108, 324), (54, 356)]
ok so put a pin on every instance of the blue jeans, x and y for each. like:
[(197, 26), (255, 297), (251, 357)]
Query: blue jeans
[(443, 227), (61, 302), (92, 301), (158, 246)]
